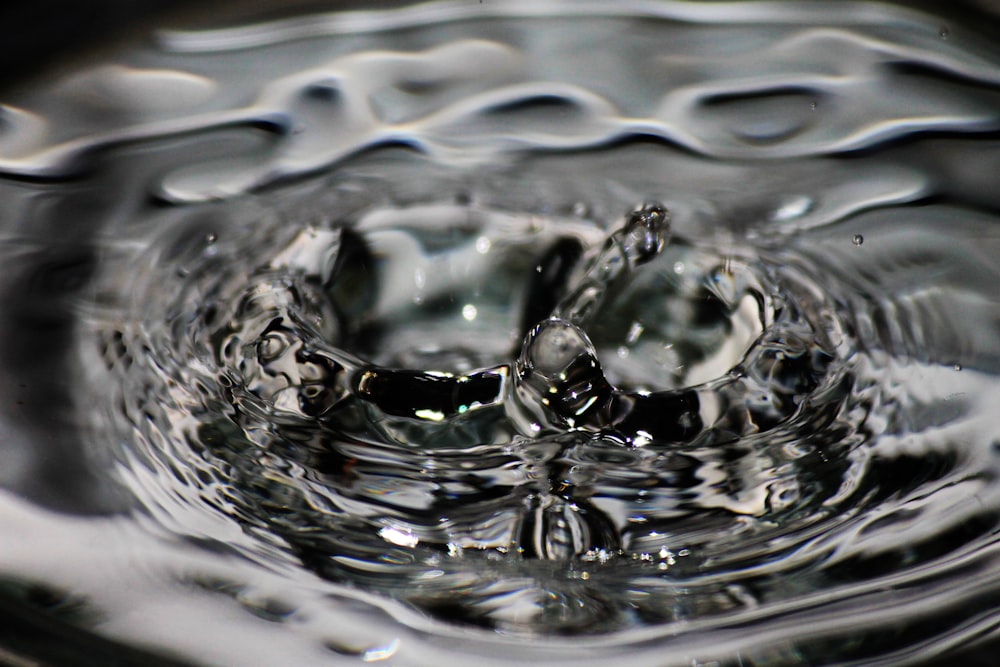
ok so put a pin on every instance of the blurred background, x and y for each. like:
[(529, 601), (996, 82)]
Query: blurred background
[(37, 34)]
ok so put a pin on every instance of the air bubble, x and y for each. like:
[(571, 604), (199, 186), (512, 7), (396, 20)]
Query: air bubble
[(858, 239)]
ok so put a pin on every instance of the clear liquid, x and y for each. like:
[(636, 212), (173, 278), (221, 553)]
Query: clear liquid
[(336, 340)]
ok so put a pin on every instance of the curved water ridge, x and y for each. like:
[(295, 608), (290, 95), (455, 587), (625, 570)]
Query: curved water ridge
[(417, 447), (460, 94), (669, 327)]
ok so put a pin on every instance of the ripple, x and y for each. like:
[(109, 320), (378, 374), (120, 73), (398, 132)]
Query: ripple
[(365, 484), (857, 96)]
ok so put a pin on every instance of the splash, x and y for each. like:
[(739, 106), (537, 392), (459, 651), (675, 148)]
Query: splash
[(368, 352)]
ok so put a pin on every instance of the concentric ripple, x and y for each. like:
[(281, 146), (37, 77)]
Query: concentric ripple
[(531, 348), (482, 442)]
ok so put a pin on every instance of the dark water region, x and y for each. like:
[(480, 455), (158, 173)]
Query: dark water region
[(545, 332)]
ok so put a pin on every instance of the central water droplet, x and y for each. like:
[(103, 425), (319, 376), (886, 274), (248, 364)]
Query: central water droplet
[(558, 371)]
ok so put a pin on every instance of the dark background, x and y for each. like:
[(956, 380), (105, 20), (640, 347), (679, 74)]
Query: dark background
[(37, 34)]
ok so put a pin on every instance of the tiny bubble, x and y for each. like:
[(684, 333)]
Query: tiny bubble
[(858, 239), (958, 367), (812, 105), (211, 238), (944, 33)]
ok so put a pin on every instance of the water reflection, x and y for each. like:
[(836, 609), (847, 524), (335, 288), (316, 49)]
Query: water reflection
[(775, 446)]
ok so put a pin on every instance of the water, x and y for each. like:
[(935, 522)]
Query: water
[(469, 333)]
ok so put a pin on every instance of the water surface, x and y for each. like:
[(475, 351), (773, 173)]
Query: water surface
[(549, 332)]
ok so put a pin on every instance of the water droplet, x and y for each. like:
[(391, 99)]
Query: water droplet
[(643, 236), (559, 377), (858, 239), (645, 233)]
